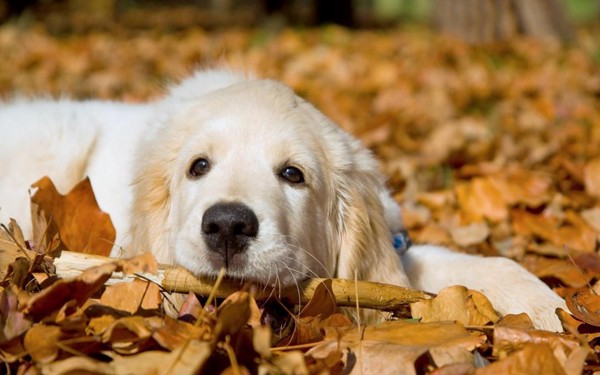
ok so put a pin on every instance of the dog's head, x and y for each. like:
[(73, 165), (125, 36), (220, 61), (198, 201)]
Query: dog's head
[(254, 179)]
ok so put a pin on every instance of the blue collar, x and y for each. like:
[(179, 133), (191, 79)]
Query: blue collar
[(401, 242)]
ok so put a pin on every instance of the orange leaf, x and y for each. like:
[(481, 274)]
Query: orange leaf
[(132, 296), (83, 227), (481, 199), (532, 359), (585, 305), (591, 177)]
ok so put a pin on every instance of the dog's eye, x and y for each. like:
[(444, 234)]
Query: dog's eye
[(199, 167), (292, 174)]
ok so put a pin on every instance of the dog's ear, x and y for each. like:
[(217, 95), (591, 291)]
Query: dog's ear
[(362, 213), (366, 247), (151, 207)]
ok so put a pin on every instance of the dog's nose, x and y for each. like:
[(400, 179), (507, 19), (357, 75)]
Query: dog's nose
[(228, 228)]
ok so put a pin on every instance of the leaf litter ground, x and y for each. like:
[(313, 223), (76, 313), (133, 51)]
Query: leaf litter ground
[(491, 150)]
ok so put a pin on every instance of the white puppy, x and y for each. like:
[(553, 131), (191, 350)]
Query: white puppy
[(243, 174)]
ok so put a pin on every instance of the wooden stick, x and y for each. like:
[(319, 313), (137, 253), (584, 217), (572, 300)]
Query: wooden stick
[(175, 279)]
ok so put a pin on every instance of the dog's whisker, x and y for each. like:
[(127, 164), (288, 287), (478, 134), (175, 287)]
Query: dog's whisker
[(291, 271), (308, 272), (293, 243)]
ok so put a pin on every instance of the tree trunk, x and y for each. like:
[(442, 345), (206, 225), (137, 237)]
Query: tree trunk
[(484, 21)]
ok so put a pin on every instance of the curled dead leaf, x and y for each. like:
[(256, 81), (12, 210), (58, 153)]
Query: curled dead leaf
[(585, 305), (42, 342), (83, 227), (132, 296), (456, 303), (532, 359)]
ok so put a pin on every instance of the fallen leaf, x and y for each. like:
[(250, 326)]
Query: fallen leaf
[(83, 227), (132, 296), (41, 342), (12, 322), (456, 303), (322, 303), (471, 234), (574, 233), (187, 360), (567, 350), (393, 347), (585, 305), (561, 269), (191, 307), (516, 321), (80, 289), (532, 359), (128, 335), (233, 313), (480, 199), (171, 334), (591, 177)]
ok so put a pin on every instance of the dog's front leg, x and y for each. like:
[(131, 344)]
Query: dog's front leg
[(509, 286)]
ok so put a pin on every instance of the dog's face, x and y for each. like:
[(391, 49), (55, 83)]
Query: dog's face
[(249, 190), (255, 180)]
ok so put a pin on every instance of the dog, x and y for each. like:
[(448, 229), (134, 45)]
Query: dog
[(238, 172)]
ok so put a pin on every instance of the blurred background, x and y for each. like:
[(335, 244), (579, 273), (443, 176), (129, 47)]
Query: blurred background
[(477, 20), (485, 114)]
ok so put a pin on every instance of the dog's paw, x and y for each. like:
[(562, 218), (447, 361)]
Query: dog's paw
[(513, 290)]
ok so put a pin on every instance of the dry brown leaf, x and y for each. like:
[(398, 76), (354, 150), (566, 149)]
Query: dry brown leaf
[(376, 357), (41, 342), (520, 186), (592, 217), (574, 233), (80, 289), (567, 350), (285, 363), (261, 341), (234, 313), (516, 321), (561, 269), (588, 262), (132, 296), (12, 322), (171, 334), (9, 250), (97, 326), (471, 234), (187, 360), (83, 227), (128, 335), (322, 304), (532, 359), (448, 355), (392, 347), (82, 365), (591, 177), (191, 307), (145, 263), (585, 305), (480, 199), (332, 363), (426, 334), (456, 303)]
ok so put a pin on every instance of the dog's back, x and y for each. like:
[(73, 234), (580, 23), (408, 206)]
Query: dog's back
[(67, 141)]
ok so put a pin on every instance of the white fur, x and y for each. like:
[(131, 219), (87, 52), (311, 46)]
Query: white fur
[(338, 224)]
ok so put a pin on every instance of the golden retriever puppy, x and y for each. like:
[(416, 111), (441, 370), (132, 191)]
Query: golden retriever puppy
[(241, 173)]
